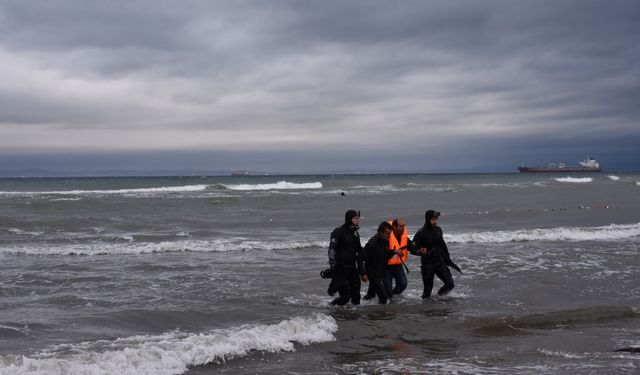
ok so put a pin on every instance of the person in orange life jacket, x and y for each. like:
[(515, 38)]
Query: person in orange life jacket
[(376, 255), (399, 240), (345, 257), (430, 246)]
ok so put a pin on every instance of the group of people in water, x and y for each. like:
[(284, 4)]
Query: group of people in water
[(382, 260)]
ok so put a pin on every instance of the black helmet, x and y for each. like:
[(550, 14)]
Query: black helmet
[(350, 215), (429, 214)]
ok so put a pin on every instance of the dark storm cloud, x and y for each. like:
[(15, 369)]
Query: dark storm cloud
[(319, 77)]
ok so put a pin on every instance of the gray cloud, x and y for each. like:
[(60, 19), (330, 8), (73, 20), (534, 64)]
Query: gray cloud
[(319, 77)]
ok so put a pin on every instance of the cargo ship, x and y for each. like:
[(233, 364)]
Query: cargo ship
[(587, 165)]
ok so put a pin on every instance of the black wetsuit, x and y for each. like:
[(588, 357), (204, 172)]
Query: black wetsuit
[(376, 254), (436, 261), (345, 255)]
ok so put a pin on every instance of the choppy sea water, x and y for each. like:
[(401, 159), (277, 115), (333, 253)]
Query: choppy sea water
[(203, 275)]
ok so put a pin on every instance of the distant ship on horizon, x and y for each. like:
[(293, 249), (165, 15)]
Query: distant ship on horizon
[(588, 165)]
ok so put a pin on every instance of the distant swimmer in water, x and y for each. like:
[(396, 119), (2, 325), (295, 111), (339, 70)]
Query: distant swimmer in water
[(376, 254), (343, 194), (430, 246), (345, 258)]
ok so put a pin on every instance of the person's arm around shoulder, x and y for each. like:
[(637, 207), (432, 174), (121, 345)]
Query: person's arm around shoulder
[(416, 247)]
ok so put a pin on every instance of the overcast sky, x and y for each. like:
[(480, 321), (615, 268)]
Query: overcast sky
[(297, 86)]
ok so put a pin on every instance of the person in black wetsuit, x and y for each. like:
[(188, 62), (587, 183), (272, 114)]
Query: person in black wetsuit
[(345, 258), (376, 254), (430, 246)]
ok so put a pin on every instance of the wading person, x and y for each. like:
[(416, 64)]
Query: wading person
[(345, 259), (430, 246), (399, 240), (376, 254)]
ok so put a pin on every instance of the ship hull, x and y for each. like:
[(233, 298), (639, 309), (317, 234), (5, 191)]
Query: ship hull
[(556, 170)]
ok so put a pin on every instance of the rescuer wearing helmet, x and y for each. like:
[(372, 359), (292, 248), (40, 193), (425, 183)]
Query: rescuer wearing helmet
[(345, 257), (430, 246)]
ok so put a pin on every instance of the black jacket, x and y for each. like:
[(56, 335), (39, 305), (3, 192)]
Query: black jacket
[(345, 248), (430, 237), (375, 255)]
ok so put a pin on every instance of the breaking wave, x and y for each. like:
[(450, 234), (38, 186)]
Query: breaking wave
[(614, 178), (603, 233), (100, 248), (578, 180), (163, 189), (172, 352), (312, 240), (280, 185)]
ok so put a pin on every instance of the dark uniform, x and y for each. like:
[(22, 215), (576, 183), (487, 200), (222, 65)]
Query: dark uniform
[(376, 255), (345, 257), (437, 259)]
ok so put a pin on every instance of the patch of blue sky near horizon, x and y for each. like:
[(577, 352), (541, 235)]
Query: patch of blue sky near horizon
[(425, 77)]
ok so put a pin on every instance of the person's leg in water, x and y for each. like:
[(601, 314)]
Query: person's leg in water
[(354, 286), (340, 283), (427, 280), (334, 286), (380, 289), (397, 273), (444, 274), (370, 293)]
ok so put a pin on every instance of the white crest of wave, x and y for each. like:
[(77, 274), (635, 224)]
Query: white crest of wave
[(614, 178), (162, 189), (218, 245), (172, 352), (603, 233), (577, 180), (280, 185)]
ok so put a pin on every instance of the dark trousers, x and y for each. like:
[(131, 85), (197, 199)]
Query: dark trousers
[(380, 289), (443, 273), (347, 282), (396, 272)]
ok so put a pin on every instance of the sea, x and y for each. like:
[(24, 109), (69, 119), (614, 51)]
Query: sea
[(221, 275)]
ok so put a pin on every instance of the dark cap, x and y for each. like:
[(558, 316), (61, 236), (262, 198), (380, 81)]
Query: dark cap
[(350, 215)]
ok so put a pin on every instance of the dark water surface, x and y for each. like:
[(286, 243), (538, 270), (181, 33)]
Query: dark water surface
[(204, 275)]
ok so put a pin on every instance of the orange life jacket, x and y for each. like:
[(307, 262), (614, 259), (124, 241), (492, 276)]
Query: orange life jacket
[(393, 244)]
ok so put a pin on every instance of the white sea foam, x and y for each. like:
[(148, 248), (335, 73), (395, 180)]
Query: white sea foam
[(576, 180), (458, 365), (551, 353), (383, 189), (163, 189), (280, 185), (98, 248), (172, 352), (614, 178), (603, 233), (21, 232)]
